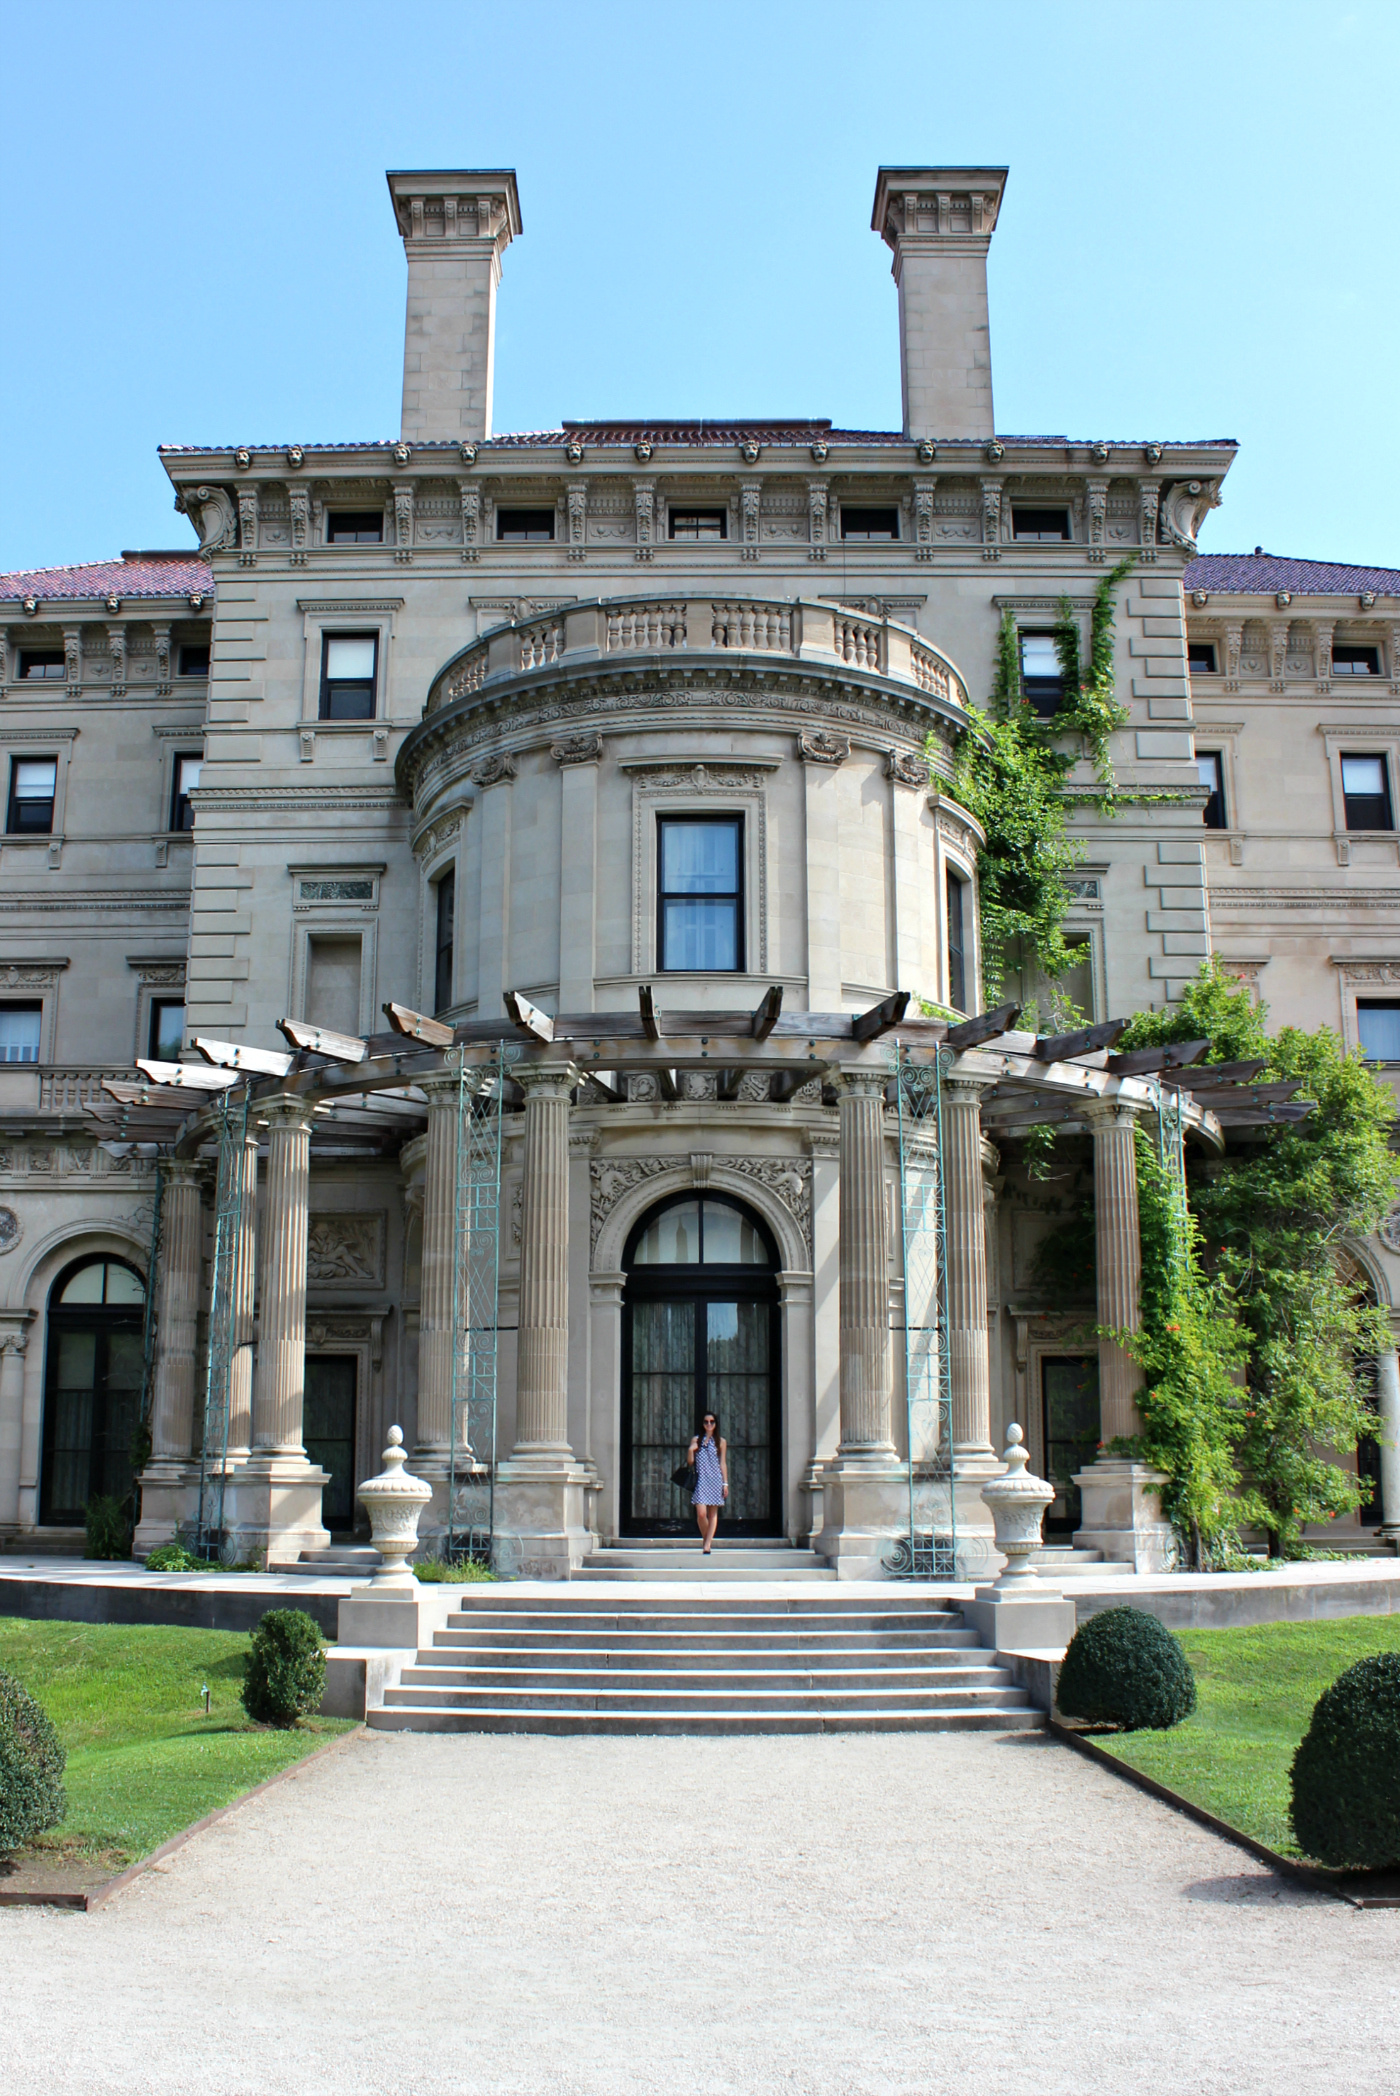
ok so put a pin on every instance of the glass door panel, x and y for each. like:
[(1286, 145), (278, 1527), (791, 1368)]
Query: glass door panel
[(328, 1431), (663, 1405), (1071, 1396), (70, 1431), (739, 1392)]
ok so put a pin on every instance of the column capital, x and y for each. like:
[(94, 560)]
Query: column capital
[(286, 1110), (861, 1083), (965, 1087), (184, 1171), (1103, 1114), (441, 1086), (551, 1080), (14, 1336)]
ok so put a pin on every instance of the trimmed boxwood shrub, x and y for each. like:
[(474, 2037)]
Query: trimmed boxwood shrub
[(1346, 1770), (285, 1672), (31, 1767), (1123, 1668)]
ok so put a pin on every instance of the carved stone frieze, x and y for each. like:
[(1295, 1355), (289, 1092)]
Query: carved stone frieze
[(577, 749), (345, 1249), (907, 768), (492, 770), (816, 746), (788, 1179), (1388, 1233)]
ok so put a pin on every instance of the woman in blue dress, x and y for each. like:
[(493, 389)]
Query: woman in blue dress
[(709, 1452)]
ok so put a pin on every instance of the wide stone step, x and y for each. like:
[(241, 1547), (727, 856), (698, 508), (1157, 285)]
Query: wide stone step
[(712, 1622), (708, 1571), (774, 1657), (894, 1600), (679, 1673), (735, 1698), (630, 1723)]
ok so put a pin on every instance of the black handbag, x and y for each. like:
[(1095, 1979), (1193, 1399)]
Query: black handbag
[(684, 1476)]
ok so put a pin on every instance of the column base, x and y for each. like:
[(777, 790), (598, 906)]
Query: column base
[(865, 1509), (169, 1502), (1122, 1515), (272, 1509), (433, 1466), (542, 1512)]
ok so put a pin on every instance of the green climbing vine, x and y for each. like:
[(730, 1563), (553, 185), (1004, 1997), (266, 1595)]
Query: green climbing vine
[(1089, 704)]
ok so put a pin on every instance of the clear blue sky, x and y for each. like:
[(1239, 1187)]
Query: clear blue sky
[(1198, 237)]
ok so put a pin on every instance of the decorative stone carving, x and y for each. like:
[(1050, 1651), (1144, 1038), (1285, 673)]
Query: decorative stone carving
[(643, 1090), (73, 654), (394, 1502), (243, 458), (116, 643), (213, 516), (697, 1084), (750, 507), (1388, 1233), (467, 454), (994, 452), (11, 1230), (577, 749), (789, 1179), (345, 1250), (1185, 504), (925, 492), (907, 769), (816, 746), (925, 451), (819, 451), (1153, 454), (991, 519), (750, 452), (644, 502), (403, 524), (1098, 511), (1017, 1502), (754, 1086), (492, 770), (471, 519), (248, 529), (296, 457), (818, 502), (577, 526)]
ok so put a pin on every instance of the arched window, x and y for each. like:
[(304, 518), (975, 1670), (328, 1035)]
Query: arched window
[(93, 1363), (700, 1333)]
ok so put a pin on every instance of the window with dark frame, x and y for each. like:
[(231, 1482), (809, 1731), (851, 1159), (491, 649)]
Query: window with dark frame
[(957, 961), (349, 675), (355, 527), (869, 523), (20, 1029), (1378, 1028), (524, 527), (186, 778), (1348, 661), (1200, 657), (445, 940), (167, 1029), (699, 524), (1041, 677), (700, 893), (42, 662), (194, 659), (1212, 772), (1038, 526), (1366, 793), (33, 784)]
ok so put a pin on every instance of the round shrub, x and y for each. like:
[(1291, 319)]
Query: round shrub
[(173, 1557), (1346, 1771), (285, 1672), (1123, 1668), (31, 1767)]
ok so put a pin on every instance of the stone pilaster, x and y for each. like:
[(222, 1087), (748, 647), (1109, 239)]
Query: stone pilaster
[(168, 1492), (969, 1372), (273, 1502), (14, 1341), (1121, 1511), (865, 1493), (1388, 1406), (541, 1519), (240, 1389)]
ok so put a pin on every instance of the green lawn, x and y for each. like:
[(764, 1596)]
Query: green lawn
[(143, 1759), (1256, 1690)]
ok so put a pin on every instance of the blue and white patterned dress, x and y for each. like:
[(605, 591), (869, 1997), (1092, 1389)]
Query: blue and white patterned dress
[(709, 1481)]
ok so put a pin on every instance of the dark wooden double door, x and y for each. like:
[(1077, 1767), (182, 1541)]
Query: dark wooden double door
[(693, 1344)]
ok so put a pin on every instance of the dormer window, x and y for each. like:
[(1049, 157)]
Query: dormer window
[(699, 524), (1348, 661), (1038, 526), (355, 527), (524, 527), (869, 523)]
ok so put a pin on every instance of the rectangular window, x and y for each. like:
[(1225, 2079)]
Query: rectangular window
[(167, 1036), (41, 662), (32, 784), (349, 674), (1355, 662), (194, 659), (355, 527), (869, 523), (699, 524), (446, 934), (524, 527), (1379, 1028), (1212, 771), (1366, 793), (700, 919), (187, 769), (1038, 526), (957, 965), (19, 1032), (1200, 657), (333, 983), (1041, 680)]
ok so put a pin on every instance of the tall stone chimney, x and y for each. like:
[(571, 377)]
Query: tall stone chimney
[(939, 222), (456, 225)]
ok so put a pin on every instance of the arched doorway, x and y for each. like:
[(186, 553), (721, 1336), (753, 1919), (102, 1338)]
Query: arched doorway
[(92, 1386), (700, 1332)]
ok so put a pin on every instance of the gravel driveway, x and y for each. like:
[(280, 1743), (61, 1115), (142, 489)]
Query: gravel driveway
[(883, 1913)]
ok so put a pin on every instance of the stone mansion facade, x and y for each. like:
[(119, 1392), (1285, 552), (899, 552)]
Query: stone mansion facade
[(632, 742)]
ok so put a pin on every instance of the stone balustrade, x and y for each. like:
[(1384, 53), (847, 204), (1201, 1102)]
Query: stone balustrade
[(793, 628)]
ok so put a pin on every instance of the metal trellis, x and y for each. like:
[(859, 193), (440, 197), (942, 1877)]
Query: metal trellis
[(229, 1250), (930, 1550), (476, 1262)]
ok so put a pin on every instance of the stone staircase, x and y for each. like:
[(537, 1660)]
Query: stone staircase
[(701, 1663), (680, 1557)]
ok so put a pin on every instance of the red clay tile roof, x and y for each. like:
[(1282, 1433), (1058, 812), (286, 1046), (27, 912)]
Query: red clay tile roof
[(777, 431), (134, 575), (1265, 574)]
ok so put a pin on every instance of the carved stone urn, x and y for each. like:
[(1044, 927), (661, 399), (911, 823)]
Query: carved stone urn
[(394, 1501), (1017, 1502)]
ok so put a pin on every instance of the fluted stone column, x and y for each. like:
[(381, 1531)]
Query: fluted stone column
[(1121, 1511), (965, 1248), (865, 1490), (273, 1503), (863, 1266), (1388, 1406), (240, 1391), (166, 1479), (435, 1331), (541, 1504)]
